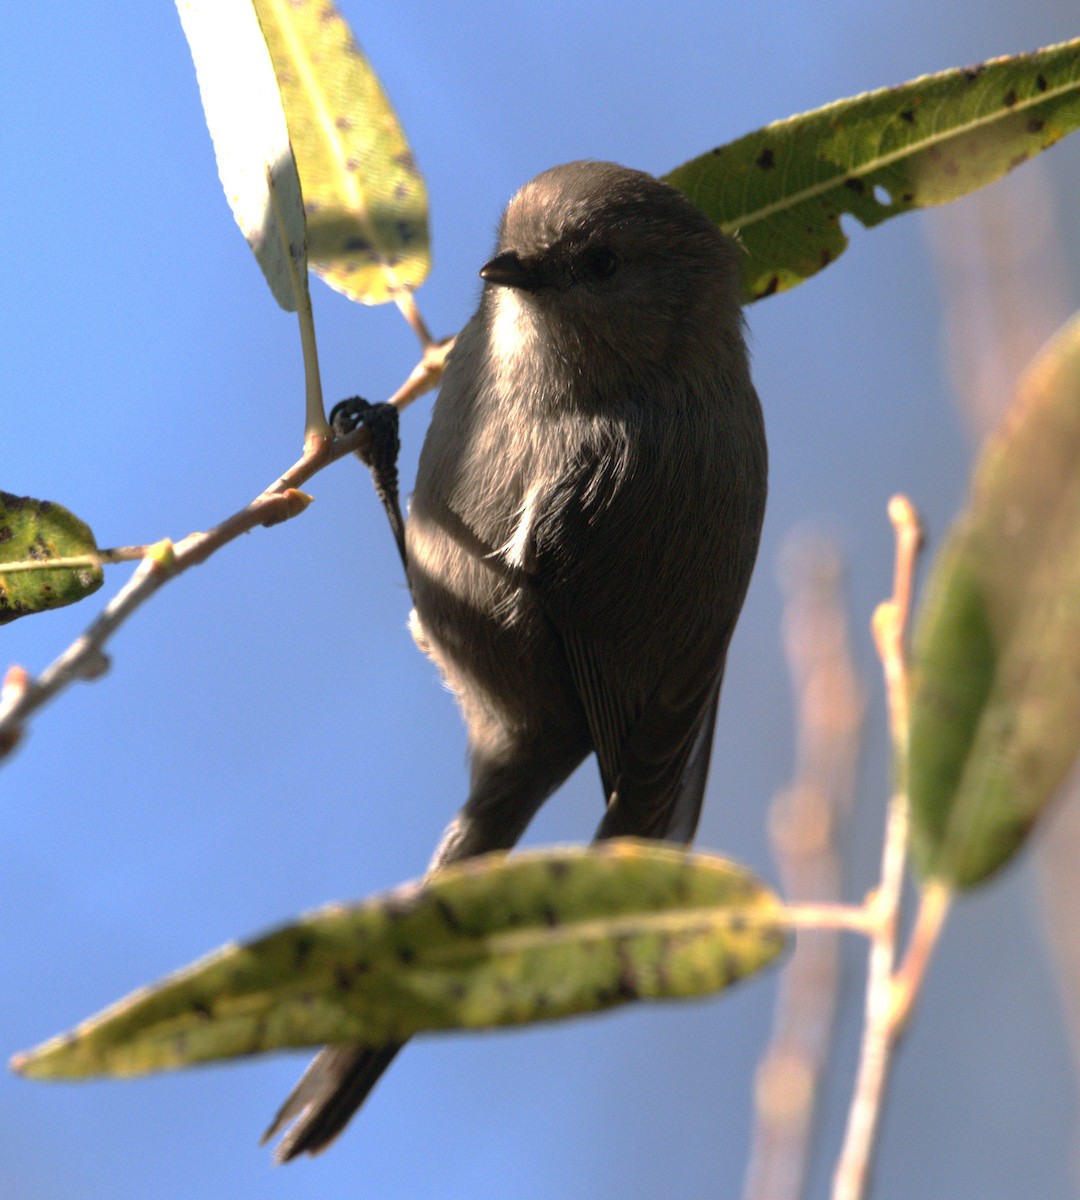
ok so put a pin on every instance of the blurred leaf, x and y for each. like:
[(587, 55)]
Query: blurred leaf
[(365, 198), (243, 110), (783, 189), (495, 941), (39, 530), (996, 680)]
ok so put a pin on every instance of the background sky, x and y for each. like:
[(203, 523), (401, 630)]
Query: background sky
[(269, 739)]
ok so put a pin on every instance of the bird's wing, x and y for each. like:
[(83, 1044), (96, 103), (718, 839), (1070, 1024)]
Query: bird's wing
[(654, 757), (649, 684)]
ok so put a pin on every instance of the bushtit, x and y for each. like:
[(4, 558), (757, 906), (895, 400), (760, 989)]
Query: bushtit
[(585, 520)]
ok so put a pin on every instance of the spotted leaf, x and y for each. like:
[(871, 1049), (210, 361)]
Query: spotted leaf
[(364, 197), (32, 534), (784, 189), (495, 941)]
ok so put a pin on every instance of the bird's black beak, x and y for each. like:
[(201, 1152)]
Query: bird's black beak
[(508, 270)]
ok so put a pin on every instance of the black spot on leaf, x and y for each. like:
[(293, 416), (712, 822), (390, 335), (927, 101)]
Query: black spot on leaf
[(770, 287), (1009, 99), (766, 160), (449, 917)]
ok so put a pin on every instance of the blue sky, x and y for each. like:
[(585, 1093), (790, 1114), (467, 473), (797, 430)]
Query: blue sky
[(269, 739)]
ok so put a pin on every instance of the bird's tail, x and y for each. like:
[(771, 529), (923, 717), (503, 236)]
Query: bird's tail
[(332, 1088)]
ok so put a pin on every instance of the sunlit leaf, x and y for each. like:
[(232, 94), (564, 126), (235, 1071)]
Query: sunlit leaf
[(33, 532), (784, 188), (365, 198), (996, 683), (251, 141), (495, 941)]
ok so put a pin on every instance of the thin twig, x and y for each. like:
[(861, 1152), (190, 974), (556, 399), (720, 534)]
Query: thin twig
[(804, 821), (23, 695), (85, 658), (880, 1031)]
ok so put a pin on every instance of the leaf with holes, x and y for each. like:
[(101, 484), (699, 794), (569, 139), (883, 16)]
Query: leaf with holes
[(783, 189), (33, 533), (365, 199), (995, 720), (494, 941)]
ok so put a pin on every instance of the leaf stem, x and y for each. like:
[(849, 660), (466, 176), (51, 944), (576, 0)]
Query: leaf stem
[(406, 303), (425, 375), (315, 424), (934, 904)]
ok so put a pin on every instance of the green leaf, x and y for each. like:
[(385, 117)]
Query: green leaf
[(784, 188), (995, 722), (32, 532), (251, 141), (495, 941), (365, 198)]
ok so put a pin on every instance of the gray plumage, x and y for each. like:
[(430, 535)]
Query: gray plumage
[(584, 525)]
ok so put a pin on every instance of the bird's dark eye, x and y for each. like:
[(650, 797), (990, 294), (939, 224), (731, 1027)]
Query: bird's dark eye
[(599, 263)]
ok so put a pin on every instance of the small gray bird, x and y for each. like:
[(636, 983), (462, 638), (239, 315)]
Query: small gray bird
[(585, 521)]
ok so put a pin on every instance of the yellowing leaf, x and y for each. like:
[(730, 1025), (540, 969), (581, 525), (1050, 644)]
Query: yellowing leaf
[(494, 941), (365, 199), (36, 532)]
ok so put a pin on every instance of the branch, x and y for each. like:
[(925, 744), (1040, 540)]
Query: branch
[(85, 658), (805, 819), (22, 695), (881, 1029)]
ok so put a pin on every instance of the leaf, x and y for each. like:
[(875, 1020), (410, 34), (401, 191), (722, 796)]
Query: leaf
[(495, 941), (365, 198), (36, 531), (784, 188), (243, 110), (996, 662)]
